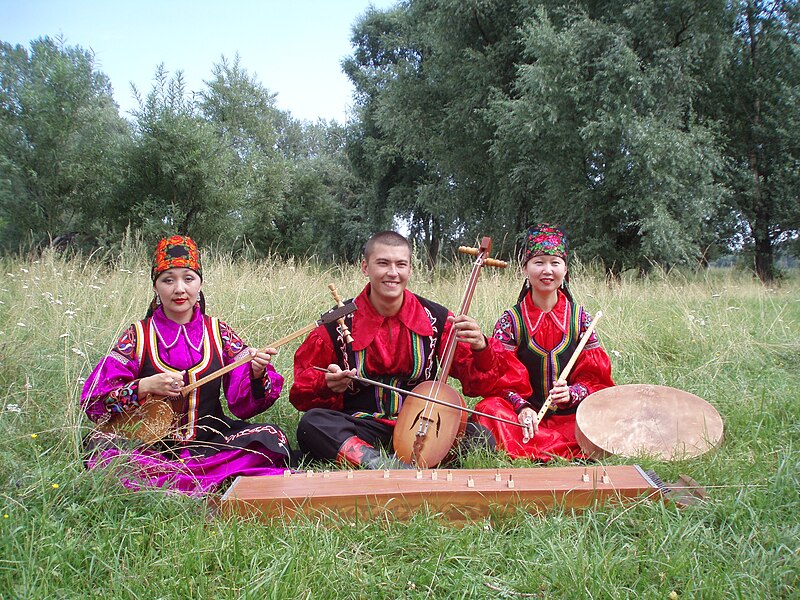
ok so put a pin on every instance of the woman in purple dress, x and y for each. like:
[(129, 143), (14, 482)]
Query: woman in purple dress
[(175, 345)]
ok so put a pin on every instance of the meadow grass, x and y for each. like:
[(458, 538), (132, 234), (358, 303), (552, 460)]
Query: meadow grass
[(69, 533)]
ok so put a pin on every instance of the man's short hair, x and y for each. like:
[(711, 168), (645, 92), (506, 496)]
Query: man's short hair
[(387, 238)]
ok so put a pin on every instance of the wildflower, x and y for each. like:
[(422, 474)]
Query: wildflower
[(79, 352), (64, 335), (5, 516), (55, 486), (616, 353), (23, 269), (673, 595), (21, 324), (34, 436), (13, 408)]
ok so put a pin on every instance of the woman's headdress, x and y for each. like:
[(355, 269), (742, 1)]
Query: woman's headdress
[(544, 238), (174, 252)]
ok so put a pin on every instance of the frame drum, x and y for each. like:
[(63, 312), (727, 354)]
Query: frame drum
[(647, 420)]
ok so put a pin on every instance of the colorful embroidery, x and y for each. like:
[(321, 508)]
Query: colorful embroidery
[(123, 397), (544, 239), (126, 344), (505, 330), (177, 251), (232, 344)]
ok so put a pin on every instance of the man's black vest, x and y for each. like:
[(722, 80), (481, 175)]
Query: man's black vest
[(364, 400)]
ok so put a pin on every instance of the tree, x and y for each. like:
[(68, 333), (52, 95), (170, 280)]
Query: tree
[(177, 173), (61, 143), (599, 134), (480, 116), (758, 104)]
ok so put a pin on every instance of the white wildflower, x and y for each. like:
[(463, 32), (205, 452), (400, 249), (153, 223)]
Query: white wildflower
[(616, 353), (13, 408), (64, 335), (23, 269), (79, 352), (21, 324)]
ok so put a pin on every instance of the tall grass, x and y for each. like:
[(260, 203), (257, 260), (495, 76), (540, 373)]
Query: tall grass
[(66, 532)]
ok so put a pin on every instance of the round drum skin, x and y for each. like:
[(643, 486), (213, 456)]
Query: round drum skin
[(640, 420)]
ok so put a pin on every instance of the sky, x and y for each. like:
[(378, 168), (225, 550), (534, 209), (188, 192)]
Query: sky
[(293, 47)]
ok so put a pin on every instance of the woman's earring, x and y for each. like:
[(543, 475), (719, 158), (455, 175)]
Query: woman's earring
[(158, 299)]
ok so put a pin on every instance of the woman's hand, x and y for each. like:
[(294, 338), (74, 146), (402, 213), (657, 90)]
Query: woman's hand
[(261, 359), (527, 418), (559, 394), (467, 330), (161, 384), (338, 381)]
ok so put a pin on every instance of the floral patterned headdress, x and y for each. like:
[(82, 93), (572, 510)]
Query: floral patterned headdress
[(544, 239), (175, 252)]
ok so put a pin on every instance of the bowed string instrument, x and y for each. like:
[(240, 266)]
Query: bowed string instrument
[(427, 429), (433, 416)]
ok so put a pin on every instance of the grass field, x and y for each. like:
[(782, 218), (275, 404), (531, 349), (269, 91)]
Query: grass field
[(69, 533)]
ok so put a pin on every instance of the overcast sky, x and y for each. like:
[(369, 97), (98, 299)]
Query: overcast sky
[(294, 47)]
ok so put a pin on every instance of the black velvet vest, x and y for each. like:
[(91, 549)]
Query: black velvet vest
[(363, 400)]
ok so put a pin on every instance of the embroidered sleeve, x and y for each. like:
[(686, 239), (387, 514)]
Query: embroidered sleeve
[(577, 394), (517, 401), (592, 371), (112, 386), (232, 345), (123, 397), (505, 331), (125, 348), (586, 321)]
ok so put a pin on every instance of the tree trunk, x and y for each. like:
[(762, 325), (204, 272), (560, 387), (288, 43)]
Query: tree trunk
[(764, 252)]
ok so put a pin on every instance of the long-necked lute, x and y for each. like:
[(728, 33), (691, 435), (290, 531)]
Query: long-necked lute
[(426, 431)]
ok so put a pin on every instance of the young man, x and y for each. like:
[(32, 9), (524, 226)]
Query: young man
[(397, 339)]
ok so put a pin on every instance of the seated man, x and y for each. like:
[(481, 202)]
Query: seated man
[(398, 338)]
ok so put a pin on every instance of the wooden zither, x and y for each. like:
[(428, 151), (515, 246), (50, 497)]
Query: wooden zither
[(457, 494)]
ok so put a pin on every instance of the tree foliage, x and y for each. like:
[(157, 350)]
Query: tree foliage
[(61, 143), (758, 106), (496, 114)]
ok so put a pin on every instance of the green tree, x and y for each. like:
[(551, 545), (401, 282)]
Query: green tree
[(599, 134), (61, 144), (178, 170), (758, 104)]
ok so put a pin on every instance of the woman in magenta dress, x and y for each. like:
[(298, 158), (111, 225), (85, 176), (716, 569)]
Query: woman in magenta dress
[(174, 345), (544, 328)]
